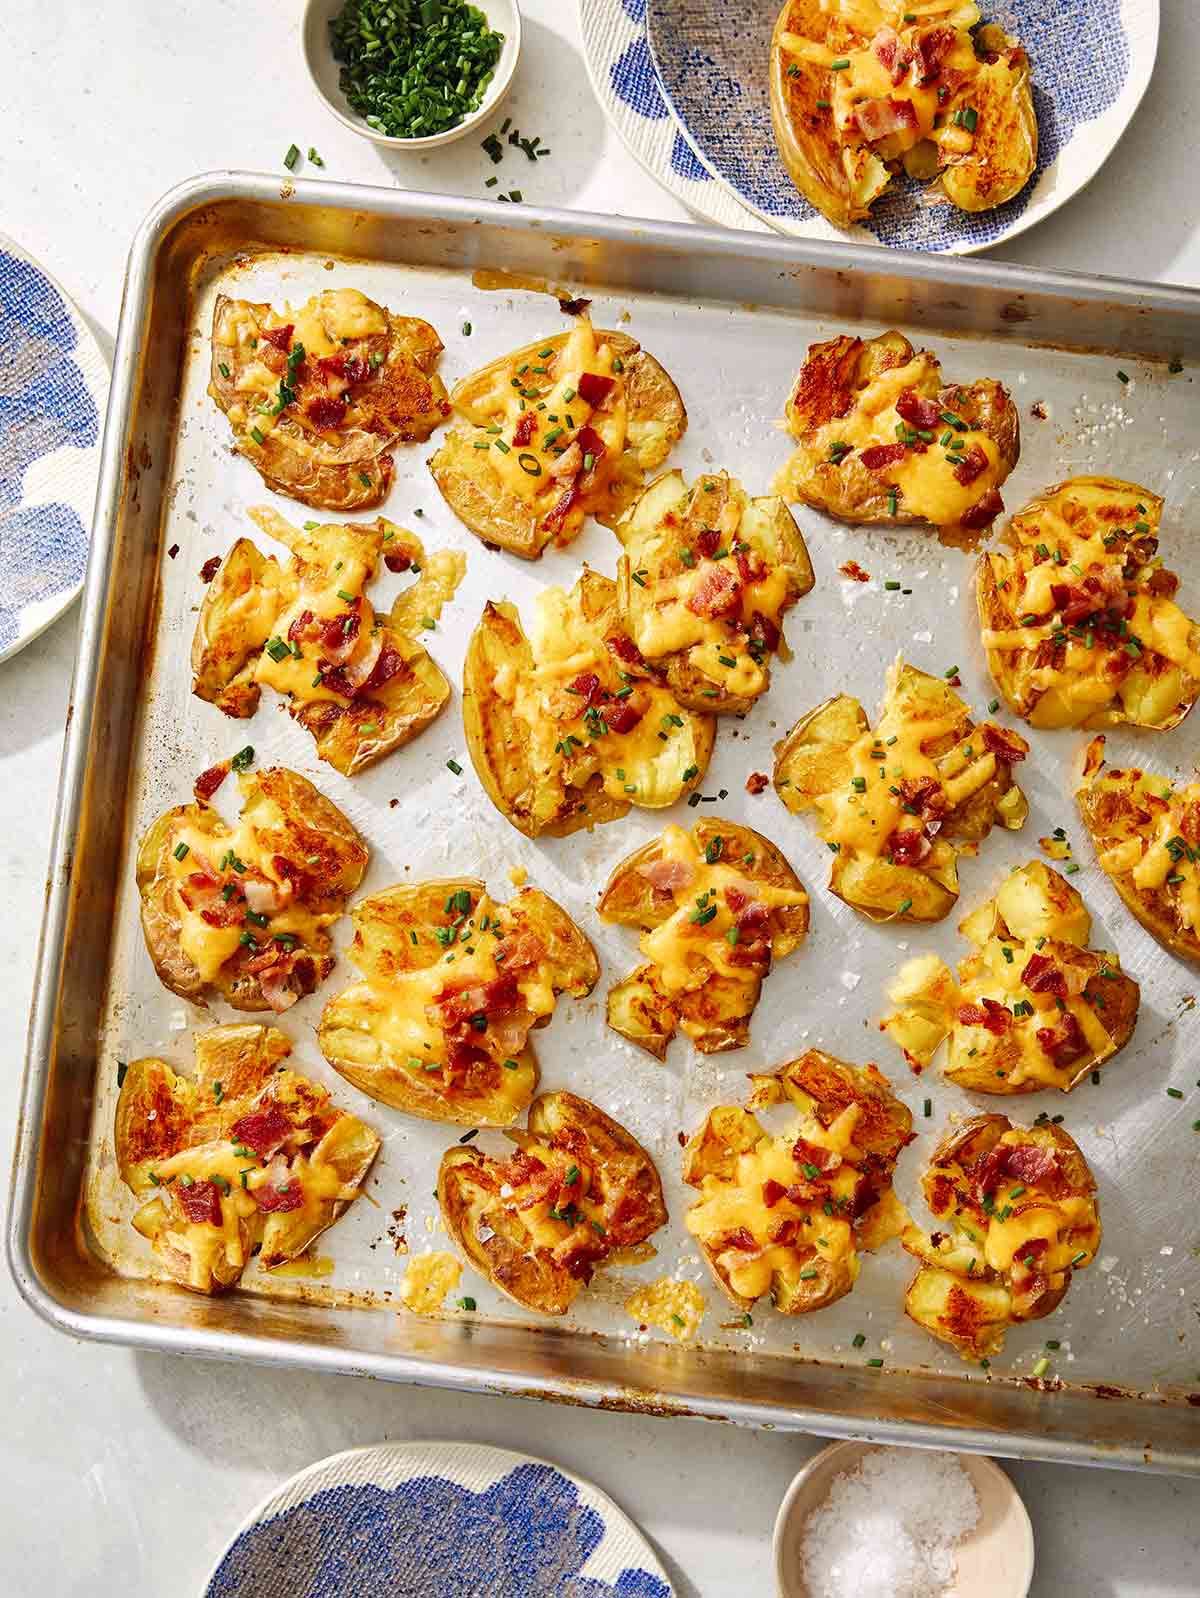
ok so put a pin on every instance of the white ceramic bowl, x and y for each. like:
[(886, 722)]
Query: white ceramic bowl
[(994, 1561), (504, 16)]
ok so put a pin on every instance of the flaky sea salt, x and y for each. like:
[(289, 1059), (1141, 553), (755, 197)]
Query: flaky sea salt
[(890, 1528)]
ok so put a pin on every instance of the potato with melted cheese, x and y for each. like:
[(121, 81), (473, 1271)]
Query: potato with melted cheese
[(897, 805), (1146, 834), (244, 911), (882, 440), (1033, 1006), (787, 1213), (540, 1224), (1018, 1216), (705, 581), (716, 908), (557, 431), (453, 983), (318, 397), (1078, 616), (568, 726), (305, 628), (862, 89), (245, 1156)]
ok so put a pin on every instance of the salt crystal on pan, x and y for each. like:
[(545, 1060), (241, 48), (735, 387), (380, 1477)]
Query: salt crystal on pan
[(889, 1529)]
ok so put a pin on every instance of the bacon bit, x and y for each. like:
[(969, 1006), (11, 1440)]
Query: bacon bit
[(397, 560), (1064, 1043), (278, 1201), (750, 569), (983, 512), (276, 981), (757, 782), (923, 795), (209, 781), (264, 1131), (1162, 584), (302, 628), (173, 551), (880, 456), (666, 876), (933, 46), (708, 541), (772, 1192), (854, 571), (622, 715), (624, 648), (338, 633), (972, 463), (522, 948), (587, 686), (806, 1153), (993, 1015), (716, 594), (594, 389), (877, 119), (577, 307), (568, 463), (280, 337), (1033, 1165), (200, 1202), (326, 411), (332, 366), (210, 568), (590, 443), (554, 518), (908, 847), (1038, 410), (893, 56), (628, 1218), (741, 1239), (1003, 743), (518, 1170), (865, 1195), (1041, 975), (388, 665), (523, 431), (918, 411), (763, 633)]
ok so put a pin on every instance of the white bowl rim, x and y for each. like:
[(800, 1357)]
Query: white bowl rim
[(497, 89), (828, 1456)]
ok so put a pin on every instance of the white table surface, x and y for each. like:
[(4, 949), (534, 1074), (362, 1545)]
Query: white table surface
[(130, 1469)]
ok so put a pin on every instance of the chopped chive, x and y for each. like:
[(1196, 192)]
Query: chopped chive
[(292, 157), (453, 765)]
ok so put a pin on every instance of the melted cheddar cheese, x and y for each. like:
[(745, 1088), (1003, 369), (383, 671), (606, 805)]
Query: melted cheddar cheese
[(925, 480), (1097, 535), (427, 1280), (674, 1306)]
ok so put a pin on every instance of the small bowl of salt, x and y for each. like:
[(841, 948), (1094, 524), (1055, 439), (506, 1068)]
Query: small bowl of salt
[(864, 1521)]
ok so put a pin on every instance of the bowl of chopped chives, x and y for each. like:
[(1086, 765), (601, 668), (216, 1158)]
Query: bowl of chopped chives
[(411, 74)]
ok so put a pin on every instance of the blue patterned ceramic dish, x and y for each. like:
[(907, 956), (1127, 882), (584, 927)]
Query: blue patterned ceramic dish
[(1092, 60), (437, 1520), (53, 388)]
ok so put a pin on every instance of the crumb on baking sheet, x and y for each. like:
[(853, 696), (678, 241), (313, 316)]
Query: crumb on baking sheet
[(671, 1305), (757, 782), (429, 1277), (518, 876), (855, 572), (1038, 410), (396, 1230)]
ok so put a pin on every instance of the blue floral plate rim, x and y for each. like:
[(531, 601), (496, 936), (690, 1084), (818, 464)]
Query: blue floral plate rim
[(479, 1471), (1051, 187), (53, 393)]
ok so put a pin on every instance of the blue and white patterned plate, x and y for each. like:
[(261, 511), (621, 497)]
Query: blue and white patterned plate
[(1092, 61), (53, 389), (437, 1520)]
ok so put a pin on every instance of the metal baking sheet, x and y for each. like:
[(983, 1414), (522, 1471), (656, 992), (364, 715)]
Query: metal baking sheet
[(730, 316)]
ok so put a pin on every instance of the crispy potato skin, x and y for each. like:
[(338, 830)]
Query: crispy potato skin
[(339, 468), (398, 933), (815, 759), (310, 826), (509, 1255), (162, 1114), (716, 1014), (497, 736), (1091, 525), (822, 1088), (1115, 808), (963, 1294), (829, 388), (476, 492)]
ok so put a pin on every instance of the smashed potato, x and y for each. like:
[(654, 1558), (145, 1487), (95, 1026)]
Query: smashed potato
[(245, 911), (788, 1214), (861, 91), (538, 1225), (881, 439), (317, 397), (1033, 1006), (1022, 1215), (560, 430), (1146, 834), (896, 805), (453, 983), (705, 581), (568, 727), (246, 1156), (716, 907), (1079, 622), (306, 628)]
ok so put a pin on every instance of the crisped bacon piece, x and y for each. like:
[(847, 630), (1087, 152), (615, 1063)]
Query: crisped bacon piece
[(877, 119), (812, 1154), (592, 447), (326, 411), (772, 1192), (280, 337), (932, 48), (264, 1131), (918, 411), (1022, 1162), (708, 541), (750, 568), (716, 594), (741, 1238), (624, 648), (923, 797), (554, 518), (397, 560), (199, 1201), (763, 634), (971, 464), (279, 1200), (1041, 975), (622, 715), (1064, 1043), (209, 781), (587, 686), (989, 1013), (210, 568), (666, 876), (878, 457), (983, 512), (891, 52), (594, 389), (523, 431), (1003, 743), (908, 847)]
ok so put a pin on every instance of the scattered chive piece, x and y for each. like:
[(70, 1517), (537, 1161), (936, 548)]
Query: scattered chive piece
[(314, 157), (257, 436), (223, 369), (1042, 1366), (181, 851), (875, 1364), (453, 765), (1174, 1093), (1122, 377), (292, 157), (839, 66), (859, 1339), (928, 1107), (466, 327), (993, 706), (243, 758), (466, 1303), (122, 1067)]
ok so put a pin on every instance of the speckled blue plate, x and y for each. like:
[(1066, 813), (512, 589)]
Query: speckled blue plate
[(437, 1520), (53, 389), (1092, 61)]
